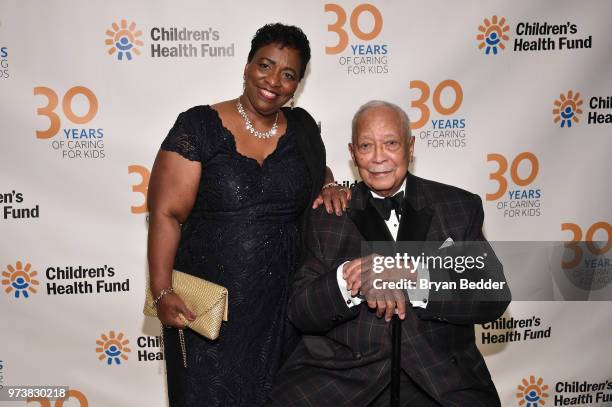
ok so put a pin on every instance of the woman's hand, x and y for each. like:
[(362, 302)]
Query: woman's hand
[(335, 198), (172, 311)]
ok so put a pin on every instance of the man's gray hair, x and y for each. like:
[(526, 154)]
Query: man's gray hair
[(381, 103)]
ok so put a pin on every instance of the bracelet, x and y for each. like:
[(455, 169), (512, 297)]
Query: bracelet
[(330, 185), (162, 294)]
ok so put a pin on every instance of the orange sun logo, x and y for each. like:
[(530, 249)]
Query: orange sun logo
[(112, 348), (492, 35), (532, 393), (567, 109), (20, 279), (124, 40)]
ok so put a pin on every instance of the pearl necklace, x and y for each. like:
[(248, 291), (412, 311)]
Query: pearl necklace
[(249, 125)]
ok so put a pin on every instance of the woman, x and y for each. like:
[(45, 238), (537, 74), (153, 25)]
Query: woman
[(226, 195)]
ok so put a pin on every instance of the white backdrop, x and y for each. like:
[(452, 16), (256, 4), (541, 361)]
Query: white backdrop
[(81, 128)]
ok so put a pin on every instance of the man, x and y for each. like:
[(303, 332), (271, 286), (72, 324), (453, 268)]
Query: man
[(344, 358)]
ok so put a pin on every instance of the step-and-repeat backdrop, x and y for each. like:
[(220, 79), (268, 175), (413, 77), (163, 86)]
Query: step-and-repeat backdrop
[(510, 100)]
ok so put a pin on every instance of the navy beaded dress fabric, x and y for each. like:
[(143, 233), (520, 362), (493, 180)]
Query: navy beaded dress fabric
[(243, 233)]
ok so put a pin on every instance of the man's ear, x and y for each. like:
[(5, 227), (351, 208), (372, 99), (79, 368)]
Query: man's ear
[(350, 147), (410, 149)]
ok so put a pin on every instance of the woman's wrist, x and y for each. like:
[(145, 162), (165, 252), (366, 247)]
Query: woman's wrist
[(162, 294), (330, 185)]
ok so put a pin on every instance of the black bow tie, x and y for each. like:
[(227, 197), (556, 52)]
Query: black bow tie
[(384, 206)]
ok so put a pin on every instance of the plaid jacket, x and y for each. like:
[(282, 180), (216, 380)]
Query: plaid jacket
[(344, 356)]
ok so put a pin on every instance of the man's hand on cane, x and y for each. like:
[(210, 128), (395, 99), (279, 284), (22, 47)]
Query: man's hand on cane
[(360, 277)]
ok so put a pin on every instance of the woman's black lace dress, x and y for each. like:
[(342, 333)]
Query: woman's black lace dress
[(243, 234)]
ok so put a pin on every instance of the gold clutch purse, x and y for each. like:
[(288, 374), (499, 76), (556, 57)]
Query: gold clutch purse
[(208, 301)]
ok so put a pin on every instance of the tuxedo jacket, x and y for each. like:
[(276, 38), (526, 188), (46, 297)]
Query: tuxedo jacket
[(344, 357)]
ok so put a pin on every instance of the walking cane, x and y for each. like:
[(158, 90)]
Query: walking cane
[(396, 344)]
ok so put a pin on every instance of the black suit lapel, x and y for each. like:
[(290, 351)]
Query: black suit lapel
[(365, 217), (417, 214), (414, 224), (369, 223)]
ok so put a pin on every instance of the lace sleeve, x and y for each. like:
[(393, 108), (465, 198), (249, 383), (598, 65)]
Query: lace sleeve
[(184, 138)]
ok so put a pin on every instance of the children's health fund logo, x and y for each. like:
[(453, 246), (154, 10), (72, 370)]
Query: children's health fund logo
[(568, 109), (19, 280), (71, 128), (354, 34), (532, 392), (492, 35), (125, 41), (530, 36), (113, 348)]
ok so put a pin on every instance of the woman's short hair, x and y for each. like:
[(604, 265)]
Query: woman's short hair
[(284, 35)]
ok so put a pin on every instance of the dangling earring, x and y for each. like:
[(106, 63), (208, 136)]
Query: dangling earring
[(292, 103), (243, 83)]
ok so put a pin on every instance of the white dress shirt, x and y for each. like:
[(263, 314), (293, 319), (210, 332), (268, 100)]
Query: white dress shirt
[(420, 296)]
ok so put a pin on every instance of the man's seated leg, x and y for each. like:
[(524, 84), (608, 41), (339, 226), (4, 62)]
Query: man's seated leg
[(410, 395)]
